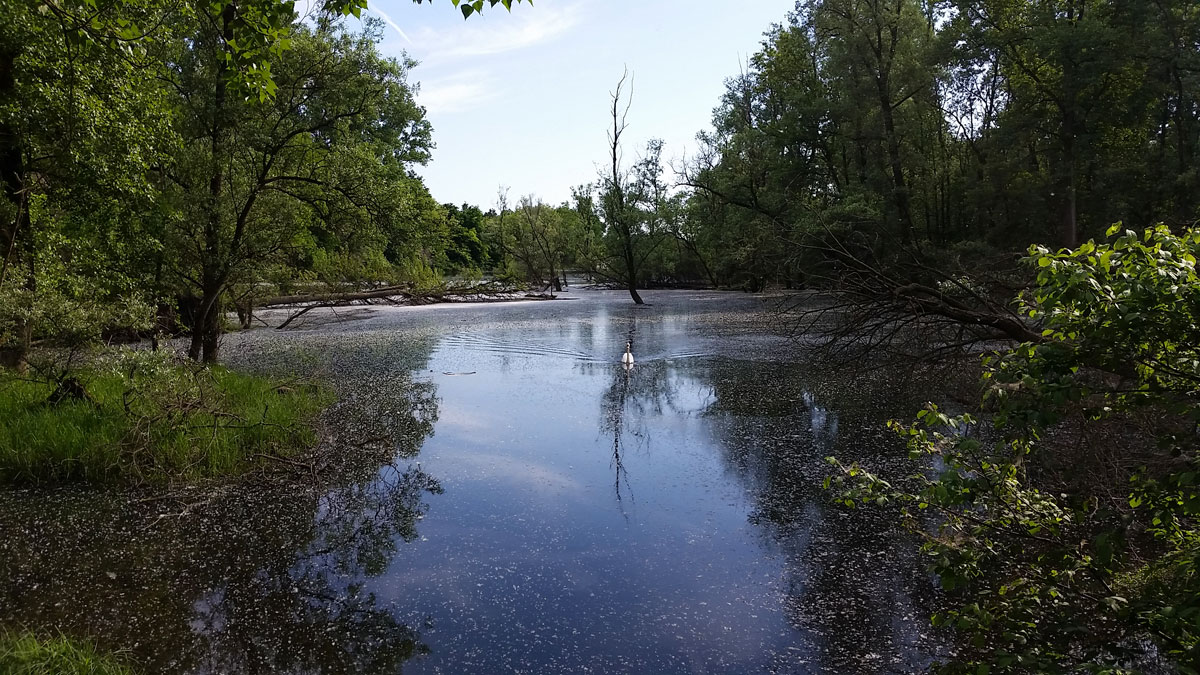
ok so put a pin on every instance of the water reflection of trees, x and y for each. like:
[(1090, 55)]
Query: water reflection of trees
[(853, 587), (633, 397), (613, 413), (385, 417), (246, 578)]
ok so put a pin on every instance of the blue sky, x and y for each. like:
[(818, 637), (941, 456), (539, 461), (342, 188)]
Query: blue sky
[(519, 99)]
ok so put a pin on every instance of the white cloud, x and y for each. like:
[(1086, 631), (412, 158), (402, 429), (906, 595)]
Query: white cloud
[(457, 93), (511, 32)]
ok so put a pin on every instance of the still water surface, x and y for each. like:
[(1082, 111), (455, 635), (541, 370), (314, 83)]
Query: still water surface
[(508, 499)]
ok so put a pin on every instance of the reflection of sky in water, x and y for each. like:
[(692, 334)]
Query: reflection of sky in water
[(547, 511), (595, 518)]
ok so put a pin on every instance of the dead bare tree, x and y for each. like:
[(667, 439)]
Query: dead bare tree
[(622, 195)]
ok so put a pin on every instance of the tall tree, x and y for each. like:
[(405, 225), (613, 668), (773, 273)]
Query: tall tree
[(333, 147), (630, 199), (79, 126)]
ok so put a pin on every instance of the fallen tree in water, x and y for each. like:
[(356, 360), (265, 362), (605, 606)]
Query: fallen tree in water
[(908, 305), (404, 294)]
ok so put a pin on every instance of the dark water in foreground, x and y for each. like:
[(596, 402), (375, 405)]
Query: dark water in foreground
[(510, 500)]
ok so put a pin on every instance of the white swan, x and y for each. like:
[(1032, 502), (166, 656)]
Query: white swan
[(627, 357)]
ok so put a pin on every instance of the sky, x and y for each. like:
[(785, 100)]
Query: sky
[(521, 99)]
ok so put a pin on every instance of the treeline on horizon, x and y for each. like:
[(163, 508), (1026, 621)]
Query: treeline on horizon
[(959, 133), (158, 187), (956, 133)]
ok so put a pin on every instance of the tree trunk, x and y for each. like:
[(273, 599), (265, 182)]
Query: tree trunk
[(1184, 188), (899, 186), (637, 299), (206, 332), (212, 336), (631, 270), (712, 279), (17, 239), (1068, 228)]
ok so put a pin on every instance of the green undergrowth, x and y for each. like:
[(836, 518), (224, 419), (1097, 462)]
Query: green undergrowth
[(25, 654), (144, 418)]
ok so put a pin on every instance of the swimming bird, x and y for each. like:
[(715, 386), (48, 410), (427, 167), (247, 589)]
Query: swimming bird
[(627, 357)]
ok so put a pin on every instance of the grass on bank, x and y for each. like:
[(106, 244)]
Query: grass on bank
[(24, 654), (151, 420)]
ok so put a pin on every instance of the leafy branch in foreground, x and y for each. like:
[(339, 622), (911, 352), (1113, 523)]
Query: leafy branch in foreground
[(1065, 524)]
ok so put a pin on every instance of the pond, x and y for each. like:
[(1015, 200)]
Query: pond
[(505, 497)]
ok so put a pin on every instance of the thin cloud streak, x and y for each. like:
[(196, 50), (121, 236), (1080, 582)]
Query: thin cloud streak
[(388, 20), (519, 31)]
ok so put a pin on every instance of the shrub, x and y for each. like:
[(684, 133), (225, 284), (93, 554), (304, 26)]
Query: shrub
[(1066, 530)]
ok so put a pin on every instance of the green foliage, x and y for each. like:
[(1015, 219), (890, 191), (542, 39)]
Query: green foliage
[(71, 294), (254, 32), (200, 150), (1058, 573), (465, 250), (469, 7), (889, 130), (634, 209), (325, 165), (535, 240), (25, 654), (145, 417)]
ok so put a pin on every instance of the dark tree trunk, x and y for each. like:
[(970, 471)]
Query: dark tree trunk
[(1185, 194), (899, 186), (631, 271), (16, 240), (206, 333), (637, 299), (1068, 233), (245, 312)]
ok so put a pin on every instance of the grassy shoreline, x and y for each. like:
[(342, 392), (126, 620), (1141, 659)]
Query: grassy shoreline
[(26, 654), (146, 418)]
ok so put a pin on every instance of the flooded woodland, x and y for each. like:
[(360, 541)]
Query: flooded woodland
[(498, 493), (297, 374)]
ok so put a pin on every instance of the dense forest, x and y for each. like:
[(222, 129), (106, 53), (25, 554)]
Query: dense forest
[(183, 174), (946, 174)]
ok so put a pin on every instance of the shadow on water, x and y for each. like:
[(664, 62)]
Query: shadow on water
[(243, 577)]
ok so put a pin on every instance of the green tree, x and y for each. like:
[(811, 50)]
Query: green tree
[(332, 149), (1067, 529), (80, 125), (629, 203), (537, 237), (466, 250)]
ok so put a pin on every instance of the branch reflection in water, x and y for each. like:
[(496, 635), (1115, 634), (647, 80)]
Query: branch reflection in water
[(635, 395)]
